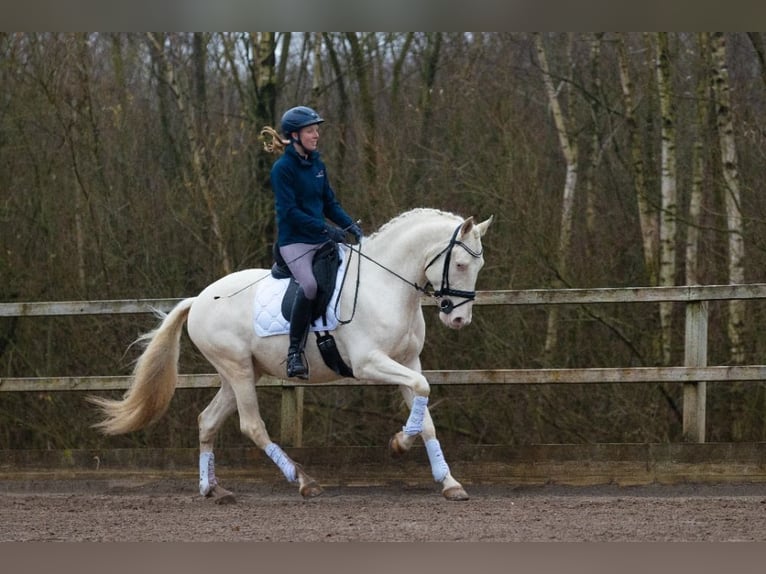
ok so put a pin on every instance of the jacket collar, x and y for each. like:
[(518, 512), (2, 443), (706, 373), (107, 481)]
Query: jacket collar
[(312, 157)]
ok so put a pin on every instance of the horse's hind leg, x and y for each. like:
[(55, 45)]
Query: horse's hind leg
[(252, 426), (402, 442), (209, 421)]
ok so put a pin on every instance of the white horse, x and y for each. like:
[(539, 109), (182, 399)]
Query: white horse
[(410, 254)]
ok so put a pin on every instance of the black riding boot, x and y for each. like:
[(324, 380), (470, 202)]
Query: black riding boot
[(300, 319)]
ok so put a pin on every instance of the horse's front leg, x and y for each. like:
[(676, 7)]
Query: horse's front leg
[(415, 389), (403, 441)]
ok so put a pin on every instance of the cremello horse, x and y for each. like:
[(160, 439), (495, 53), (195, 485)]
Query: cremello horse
[(418, 249)]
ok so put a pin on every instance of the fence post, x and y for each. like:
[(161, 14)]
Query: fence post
[(695, 355), (291, 428)]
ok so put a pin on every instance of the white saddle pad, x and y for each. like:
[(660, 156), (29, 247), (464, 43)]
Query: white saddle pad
[(267, 311)]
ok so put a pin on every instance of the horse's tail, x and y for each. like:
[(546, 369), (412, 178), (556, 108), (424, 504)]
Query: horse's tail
[(154, 378)]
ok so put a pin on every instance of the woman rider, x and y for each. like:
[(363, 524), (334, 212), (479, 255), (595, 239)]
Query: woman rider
[(304, 201)]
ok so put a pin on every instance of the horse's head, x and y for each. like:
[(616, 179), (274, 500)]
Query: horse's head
[(453, 272)]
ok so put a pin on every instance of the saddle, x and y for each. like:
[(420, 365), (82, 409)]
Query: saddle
[(325, 265)]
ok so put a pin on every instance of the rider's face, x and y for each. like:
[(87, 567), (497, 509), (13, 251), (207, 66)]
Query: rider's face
[(309, 137)]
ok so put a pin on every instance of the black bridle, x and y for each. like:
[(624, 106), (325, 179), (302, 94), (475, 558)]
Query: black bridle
[(446, 306)]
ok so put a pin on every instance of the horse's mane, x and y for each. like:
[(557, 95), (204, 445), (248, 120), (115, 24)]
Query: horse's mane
[(417, 212)]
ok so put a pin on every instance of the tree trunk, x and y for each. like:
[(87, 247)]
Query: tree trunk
[(429, 67), (725, 124), (568, 146), (668, 188), (646, 212), (367, 105), (596, 150), (344, 104), (199, 58), (171, 165), (396, 69), (756, 39), (698, 163)]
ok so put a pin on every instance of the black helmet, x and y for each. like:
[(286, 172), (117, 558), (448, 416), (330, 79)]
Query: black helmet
[(299, 117)]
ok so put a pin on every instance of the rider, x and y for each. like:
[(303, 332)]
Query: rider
[(304, 199)]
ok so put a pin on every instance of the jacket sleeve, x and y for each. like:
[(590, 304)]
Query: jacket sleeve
[(332, 208)]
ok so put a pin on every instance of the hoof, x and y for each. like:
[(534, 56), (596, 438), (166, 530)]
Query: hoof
[(310, 489), (221, 496), (395, 448), (455, 493)]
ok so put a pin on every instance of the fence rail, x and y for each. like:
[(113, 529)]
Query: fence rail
[(694, 374)]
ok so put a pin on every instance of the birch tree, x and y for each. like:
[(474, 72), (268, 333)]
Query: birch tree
[(698, 163), (568, 146), (730, 168), (668, 187), (647, 213)]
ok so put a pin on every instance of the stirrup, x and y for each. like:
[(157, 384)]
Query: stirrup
[(296, 367)]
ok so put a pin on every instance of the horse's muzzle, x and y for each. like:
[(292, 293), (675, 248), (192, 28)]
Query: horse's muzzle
[(456, 320)]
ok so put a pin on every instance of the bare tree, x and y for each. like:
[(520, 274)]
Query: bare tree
[(756, 39), (595, 151), (430, 66), (730, 167), (362, 75), (698, 162), (669, 193), (199, 157), (569, 149), (647, 212)]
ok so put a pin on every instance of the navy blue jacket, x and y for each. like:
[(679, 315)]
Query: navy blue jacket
[(304, 199)]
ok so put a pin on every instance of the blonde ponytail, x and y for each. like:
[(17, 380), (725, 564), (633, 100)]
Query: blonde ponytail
[(277, 144)]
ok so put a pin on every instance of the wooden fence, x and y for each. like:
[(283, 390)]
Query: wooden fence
[(693, 375)]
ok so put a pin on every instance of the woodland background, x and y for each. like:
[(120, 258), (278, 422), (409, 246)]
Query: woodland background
[(131, 167)]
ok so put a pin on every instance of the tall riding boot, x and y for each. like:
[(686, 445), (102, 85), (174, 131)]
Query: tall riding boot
[(300, 319)]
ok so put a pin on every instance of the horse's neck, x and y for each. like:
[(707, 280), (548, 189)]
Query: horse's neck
[(405, 249)]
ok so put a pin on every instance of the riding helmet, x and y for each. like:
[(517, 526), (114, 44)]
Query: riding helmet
[(299, 117)]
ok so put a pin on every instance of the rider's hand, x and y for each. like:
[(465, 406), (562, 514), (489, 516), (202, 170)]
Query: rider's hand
[(335, 233), (356, 231)]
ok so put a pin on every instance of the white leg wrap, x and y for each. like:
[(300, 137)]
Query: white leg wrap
[(439, 467), (207, 478), (414, 424), (282, 461)]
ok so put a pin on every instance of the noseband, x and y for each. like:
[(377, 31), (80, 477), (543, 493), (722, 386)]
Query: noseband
[(446, 306)]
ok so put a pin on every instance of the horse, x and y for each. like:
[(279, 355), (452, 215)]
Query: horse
[(381, 340)]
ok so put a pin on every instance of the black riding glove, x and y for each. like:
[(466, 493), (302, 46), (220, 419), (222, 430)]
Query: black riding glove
[(335, 233), (356, 231)]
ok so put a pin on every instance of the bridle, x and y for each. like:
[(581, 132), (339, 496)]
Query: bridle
[(446, 306)]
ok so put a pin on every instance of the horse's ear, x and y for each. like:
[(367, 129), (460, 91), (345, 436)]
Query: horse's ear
[(467, 226), (484, 225)]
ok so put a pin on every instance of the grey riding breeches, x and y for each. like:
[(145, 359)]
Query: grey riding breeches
[(299, 258)]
